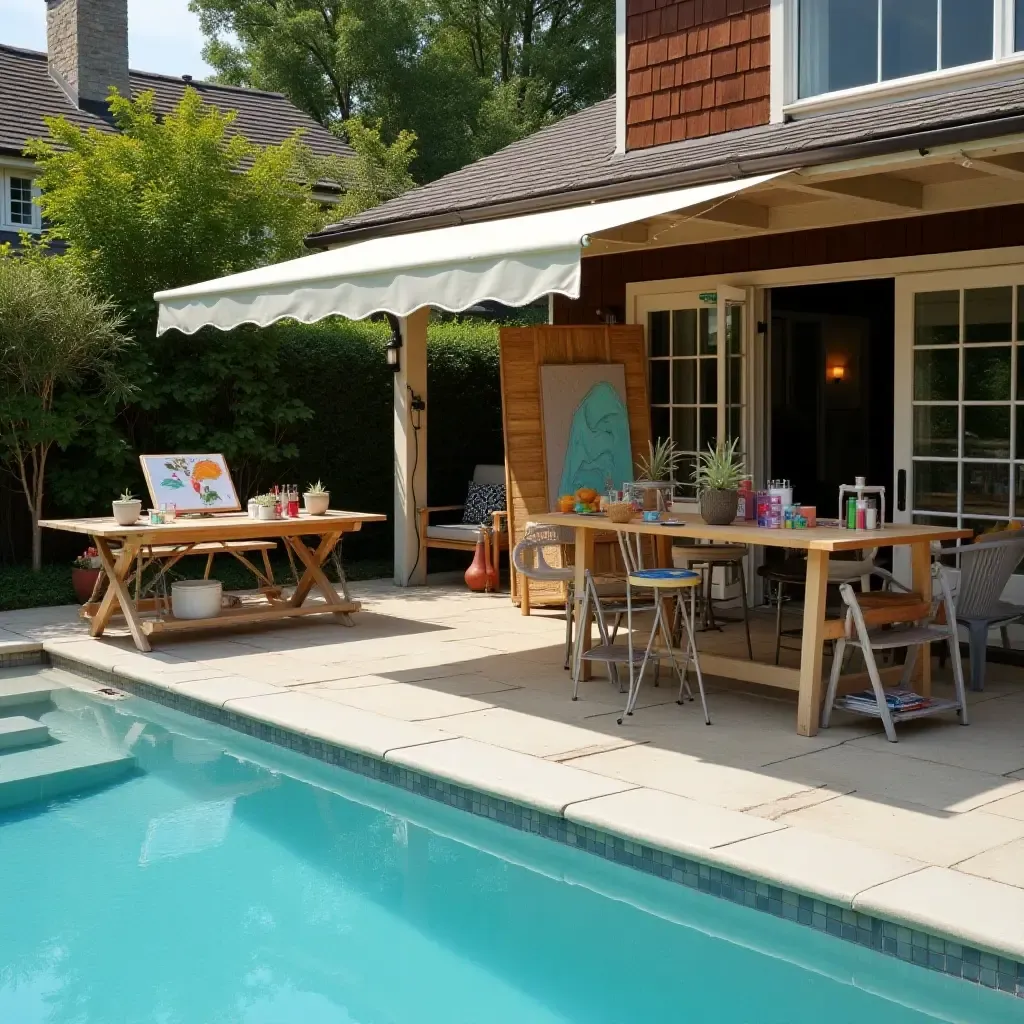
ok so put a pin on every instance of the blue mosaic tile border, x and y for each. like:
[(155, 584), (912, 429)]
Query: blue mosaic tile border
[(885, 937), (21, 658)]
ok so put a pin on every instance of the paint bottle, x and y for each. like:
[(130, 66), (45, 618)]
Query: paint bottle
[(871, 518), (851, 513), (862, 514)]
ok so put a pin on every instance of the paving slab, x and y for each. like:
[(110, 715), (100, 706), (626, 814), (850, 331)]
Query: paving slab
[(973, 911), (1010, 807), (530, 734), (908, 830), (668, 822), (218, 690), (1001, 864), (674, 772), (404, 701), (348, 727), (506, 774), (821, 866)]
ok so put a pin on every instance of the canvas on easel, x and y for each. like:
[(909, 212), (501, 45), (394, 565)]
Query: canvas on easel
[(192, 483)]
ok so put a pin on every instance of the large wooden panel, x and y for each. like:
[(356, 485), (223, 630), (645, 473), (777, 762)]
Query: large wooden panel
[(524, 350)]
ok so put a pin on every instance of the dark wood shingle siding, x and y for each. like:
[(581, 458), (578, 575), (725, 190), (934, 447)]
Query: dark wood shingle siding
[(695, 68)]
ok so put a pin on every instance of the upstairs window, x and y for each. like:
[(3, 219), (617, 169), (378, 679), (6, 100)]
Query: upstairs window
[(846, 44)]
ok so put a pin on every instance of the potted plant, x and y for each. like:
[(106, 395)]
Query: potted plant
[(85, 571), (317, 499), (127, 509), (656, 472), (265, 506), (718, 475)]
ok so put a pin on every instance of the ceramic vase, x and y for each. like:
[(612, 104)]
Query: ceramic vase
[(718, 508), (84, 581), (482, 575)]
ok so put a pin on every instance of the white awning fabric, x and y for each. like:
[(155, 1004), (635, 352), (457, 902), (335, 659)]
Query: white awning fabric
[(514, 261)]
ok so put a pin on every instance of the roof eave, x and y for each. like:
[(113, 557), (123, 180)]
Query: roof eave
[(730, 168)]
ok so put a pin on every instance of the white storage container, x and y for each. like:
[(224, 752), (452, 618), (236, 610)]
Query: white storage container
[(196, 599)]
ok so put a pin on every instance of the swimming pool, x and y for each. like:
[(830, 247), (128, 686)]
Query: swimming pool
[(230, 881)]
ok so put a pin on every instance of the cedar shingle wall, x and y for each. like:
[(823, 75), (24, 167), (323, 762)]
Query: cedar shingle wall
[(695, 67), (603, 287)]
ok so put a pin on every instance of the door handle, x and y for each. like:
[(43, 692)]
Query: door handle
[(901, 491)]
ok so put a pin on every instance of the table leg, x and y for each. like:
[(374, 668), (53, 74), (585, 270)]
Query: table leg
[(117, 592), (584, 561), (811, 650), (921, 561), (314, 575)]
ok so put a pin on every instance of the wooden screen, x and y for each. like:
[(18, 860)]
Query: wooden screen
[(523, 351)]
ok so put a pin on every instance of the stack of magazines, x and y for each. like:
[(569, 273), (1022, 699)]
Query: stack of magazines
[(897, 701)]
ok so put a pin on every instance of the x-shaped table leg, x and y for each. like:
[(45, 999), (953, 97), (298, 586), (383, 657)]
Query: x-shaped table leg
[(117, 592)]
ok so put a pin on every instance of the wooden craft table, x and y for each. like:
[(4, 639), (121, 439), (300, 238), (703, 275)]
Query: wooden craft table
[(185, 534), (819, 543)]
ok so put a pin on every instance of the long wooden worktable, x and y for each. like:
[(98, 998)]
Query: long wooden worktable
[(819, 543), (121, 547)]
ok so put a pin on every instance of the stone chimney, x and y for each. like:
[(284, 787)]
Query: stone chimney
[(87, 42)]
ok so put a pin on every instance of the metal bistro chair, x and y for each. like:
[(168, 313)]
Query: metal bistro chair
[(985, 568), (705, 558), (529, 561), (663, 582), (912, 637)]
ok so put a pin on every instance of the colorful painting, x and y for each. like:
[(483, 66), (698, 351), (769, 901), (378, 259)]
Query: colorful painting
[(586, 428), (193, 483)]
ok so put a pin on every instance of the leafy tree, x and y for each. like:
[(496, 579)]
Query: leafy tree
[(163, 203), (59, 366), (467, 76)]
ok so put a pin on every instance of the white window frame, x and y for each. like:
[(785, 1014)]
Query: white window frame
[(6, 196), (786, 101)]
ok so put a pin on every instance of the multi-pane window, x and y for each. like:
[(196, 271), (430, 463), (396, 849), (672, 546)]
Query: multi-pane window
[(968, 396), (843, 44), (686, 382), (20, 211)]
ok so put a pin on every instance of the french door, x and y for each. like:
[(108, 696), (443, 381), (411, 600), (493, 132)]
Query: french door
[(697, 349), (959, 449)]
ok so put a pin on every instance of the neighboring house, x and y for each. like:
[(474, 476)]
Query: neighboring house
[(87, 43), (871, 291)]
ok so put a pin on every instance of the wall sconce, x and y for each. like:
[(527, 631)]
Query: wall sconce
[(836, 373), (394, 347)]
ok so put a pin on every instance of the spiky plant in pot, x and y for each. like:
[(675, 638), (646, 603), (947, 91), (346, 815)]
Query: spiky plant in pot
[(717, 478), (661, 461)]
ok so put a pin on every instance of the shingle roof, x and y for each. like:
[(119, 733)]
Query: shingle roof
[(28, 94), (578, 154)]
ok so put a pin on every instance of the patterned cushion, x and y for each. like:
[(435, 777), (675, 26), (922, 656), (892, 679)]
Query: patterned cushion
[(481, 501)]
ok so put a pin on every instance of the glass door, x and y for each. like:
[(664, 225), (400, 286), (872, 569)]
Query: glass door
[(960, 402), (697, 366)]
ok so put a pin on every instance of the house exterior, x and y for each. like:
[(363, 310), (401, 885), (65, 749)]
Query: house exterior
[(87, 53), (870, 290)]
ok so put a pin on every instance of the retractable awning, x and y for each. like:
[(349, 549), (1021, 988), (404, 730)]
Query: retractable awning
[(513, 261)]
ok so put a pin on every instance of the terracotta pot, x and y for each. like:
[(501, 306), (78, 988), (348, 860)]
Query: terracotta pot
[(84, 580), (482, 575), (718, 508)]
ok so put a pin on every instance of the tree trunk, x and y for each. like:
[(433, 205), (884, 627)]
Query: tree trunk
[(37, 544)]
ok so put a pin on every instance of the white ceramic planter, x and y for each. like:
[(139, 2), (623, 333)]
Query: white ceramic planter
[(254, 510), (196, 599), (127, 513), (317, 504), (267, 512)]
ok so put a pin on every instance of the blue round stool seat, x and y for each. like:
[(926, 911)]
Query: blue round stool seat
[(665, 578)]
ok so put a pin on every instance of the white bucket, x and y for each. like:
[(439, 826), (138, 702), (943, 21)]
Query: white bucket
[(196, 599)]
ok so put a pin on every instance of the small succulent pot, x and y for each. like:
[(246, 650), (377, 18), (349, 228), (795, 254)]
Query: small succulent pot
[(718, 508), (127, 513), (266, 512), (317, 503)]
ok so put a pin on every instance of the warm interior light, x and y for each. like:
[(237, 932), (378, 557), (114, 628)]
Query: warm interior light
[(837, 372)]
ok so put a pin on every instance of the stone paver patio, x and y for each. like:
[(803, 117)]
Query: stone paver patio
[(929, 830)]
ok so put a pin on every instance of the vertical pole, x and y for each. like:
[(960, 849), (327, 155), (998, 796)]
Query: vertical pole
[(809, 702), (410, 450)]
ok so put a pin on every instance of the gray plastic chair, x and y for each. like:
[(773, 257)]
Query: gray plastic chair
[(528, 559), (985, 568)]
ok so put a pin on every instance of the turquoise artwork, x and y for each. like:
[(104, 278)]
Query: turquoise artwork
[(598, 447)]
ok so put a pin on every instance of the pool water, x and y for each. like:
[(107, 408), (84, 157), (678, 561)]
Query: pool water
[(230, 881)]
